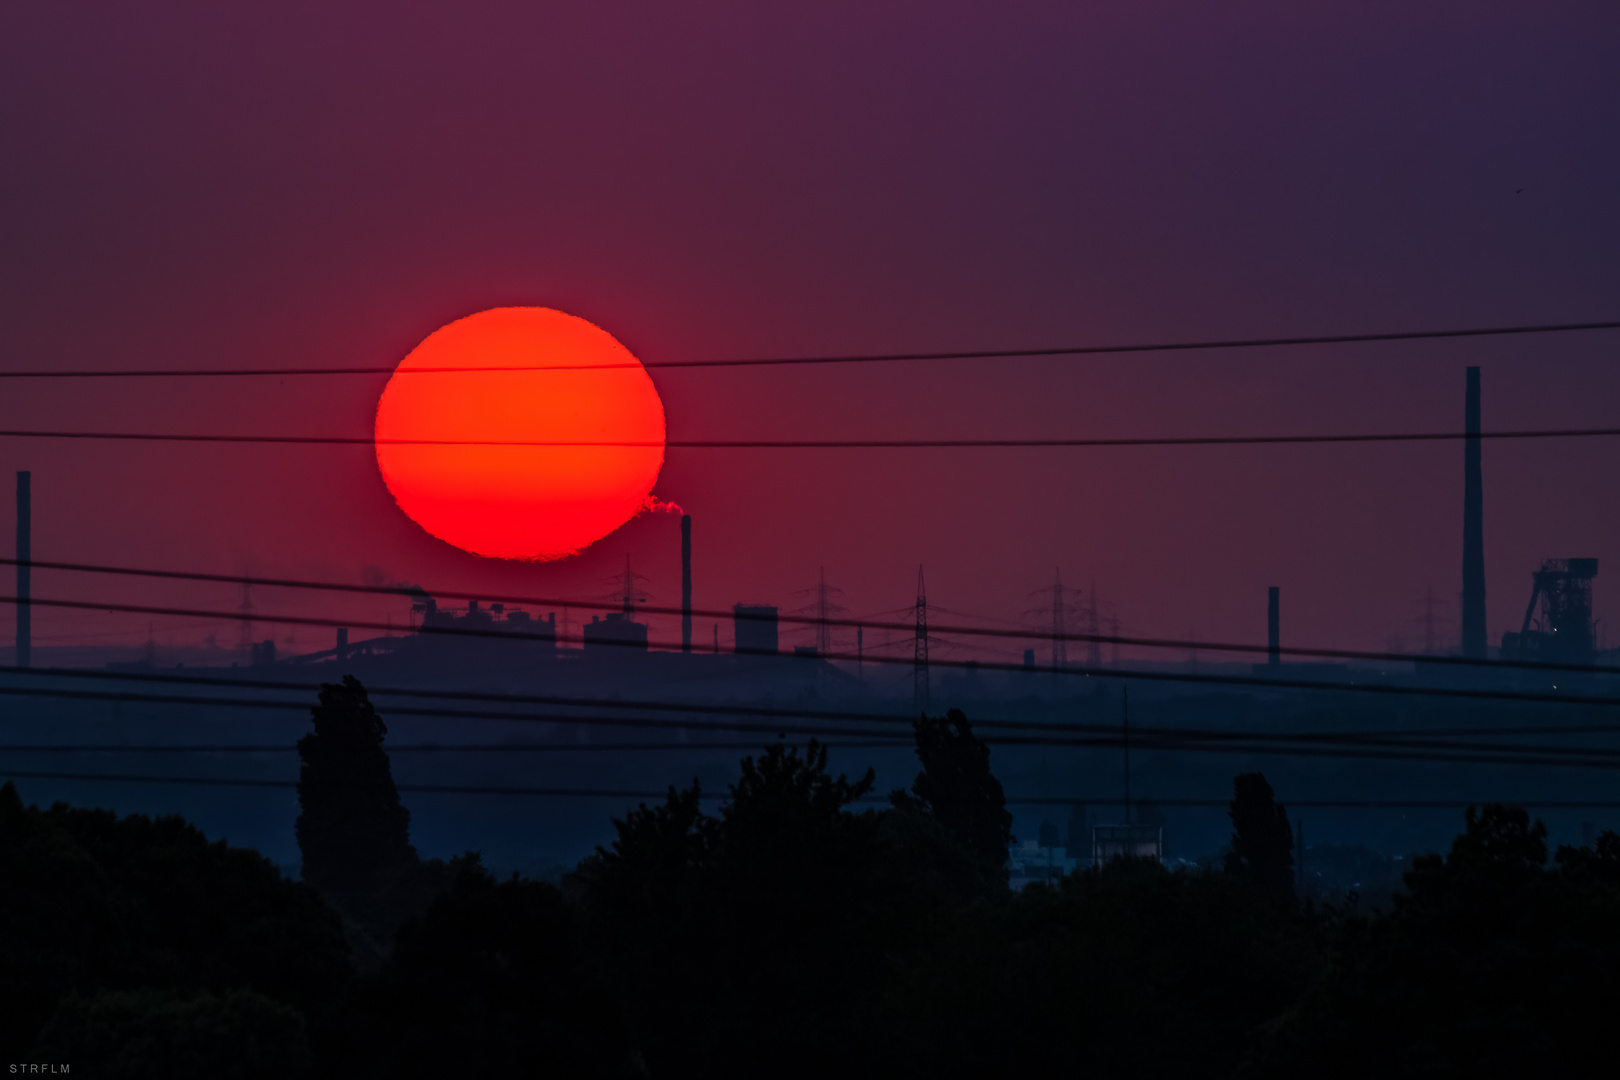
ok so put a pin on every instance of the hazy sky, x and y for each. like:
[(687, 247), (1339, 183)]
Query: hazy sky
[(325, 184)]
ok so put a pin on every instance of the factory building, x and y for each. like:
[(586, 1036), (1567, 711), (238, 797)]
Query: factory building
[(1558, 626), (755, 628), (480, 626), (617, 631)]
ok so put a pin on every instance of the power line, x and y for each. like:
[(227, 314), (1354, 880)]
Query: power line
[(442, 713), (1396, 738), (463, 789), (454, 789), (1145, 736), (1178, 644), (1579, 757), (830, 444), (843, 716), (858, 358), (1049, 734), (462, 695), (978, 665), (408, 748)]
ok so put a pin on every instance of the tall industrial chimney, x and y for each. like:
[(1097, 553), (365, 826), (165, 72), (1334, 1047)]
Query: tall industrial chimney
[(25, 552), (1473, 595), (686, 583), (1273, 625)]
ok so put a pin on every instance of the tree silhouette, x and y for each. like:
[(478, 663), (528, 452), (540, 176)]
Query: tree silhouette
[(748, 942), (1133, 969), (1499, 838), (784, 801), (492, 980), (1492, 964), (90, 901), (957, 788), (1262, 841), (127, 1035), (353, 832)]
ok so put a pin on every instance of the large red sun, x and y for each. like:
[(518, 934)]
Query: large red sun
[(520, 502)]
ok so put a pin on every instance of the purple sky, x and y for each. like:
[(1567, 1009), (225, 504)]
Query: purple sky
[(319, 184)]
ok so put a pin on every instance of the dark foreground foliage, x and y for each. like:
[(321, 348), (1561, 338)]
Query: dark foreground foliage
[(91, 902), (793, 933), (1133, 970), (1493, 963), (130, 1035), (734, 937), (493, 981)]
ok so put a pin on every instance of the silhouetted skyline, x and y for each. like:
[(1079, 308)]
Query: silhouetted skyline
[(230, 188)]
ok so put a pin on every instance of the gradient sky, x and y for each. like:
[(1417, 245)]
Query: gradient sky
[(325, 184)]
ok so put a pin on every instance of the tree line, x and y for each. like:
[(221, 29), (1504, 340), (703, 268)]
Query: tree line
[(789, 934)]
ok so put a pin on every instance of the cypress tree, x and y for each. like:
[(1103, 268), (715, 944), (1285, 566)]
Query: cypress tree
[(1262, 840), (353, 831)]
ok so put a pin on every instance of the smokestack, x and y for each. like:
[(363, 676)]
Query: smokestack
[(25, 552), (686, 583), (1473, 598), (1273, 625)]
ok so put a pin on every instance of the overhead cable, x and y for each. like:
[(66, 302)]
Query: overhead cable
[(708, 709), (976, 665), (413, 592), (855, 358), (1092, 799), (827, 444), (1038, 733)]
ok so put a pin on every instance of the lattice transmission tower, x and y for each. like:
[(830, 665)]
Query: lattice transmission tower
[(823, 609)]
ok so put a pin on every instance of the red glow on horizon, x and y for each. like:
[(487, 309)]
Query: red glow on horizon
[(521, 502)]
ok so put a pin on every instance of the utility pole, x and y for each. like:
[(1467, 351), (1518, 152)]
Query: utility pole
[(860, 653), (25, 553), (244, 641), (919, 662)]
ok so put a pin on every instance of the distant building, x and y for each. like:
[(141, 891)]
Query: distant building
[(1110, 842), (479, 628), (1558, 626), (1029, 862), (755, 628), (616, 631)]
